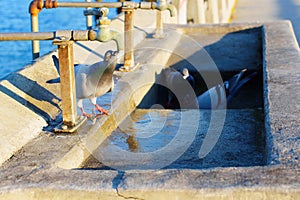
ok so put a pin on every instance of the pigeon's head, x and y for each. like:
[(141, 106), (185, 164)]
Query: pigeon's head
[(185, 72)]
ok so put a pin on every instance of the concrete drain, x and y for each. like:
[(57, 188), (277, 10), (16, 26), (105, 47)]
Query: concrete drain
[(242, 140)]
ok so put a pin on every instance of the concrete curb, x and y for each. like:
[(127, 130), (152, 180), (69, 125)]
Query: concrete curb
[(29, 104), (129, 95), (35, 176)]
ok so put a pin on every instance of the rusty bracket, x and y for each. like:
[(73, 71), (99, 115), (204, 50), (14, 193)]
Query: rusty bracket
[(128, 27), (71, 121)]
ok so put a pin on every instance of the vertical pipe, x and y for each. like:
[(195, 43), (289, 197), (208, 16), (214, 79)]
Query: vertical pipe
[(35, 43), (89, 18), (159, 25), (128, 55), (67, 83)]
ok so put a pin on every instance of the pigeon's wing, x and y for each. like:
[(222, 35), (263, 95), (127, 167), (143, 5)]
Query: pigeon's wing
[(234, 81), (214, 98), (239, 85), (84, 88)]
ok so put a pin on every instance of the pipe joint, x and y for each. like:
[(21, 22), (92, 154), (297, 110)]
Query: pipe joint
[(51, 4), (162, 5), (35, 7)]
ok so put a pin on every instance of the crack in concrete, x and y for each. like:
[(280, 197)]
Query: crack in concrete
[(125, 197)]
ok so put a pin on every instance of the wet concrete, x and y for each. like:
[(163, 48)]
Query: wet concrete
[(240, 144)]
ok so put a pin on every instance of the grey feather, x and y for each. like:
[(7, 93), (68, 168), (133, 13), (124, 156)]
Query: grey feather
[(219, 96)]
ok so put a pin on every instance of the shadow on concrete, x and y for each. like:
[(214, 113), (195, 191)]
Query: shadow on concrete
[(32, 89), (90, 50), (234, 52), (291, 11), (243, 140)]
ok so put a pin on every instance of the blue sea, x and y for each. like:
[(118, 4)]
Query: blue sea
[(14, 17)]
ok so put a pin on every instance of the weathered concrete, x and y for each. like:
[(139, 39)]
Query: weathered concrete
[(33, 171), (29, 104)]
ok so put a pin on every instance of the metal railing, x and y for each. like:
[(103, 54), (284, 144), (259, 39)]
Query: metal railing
[(37, 6), (209, 11), (65, 39)]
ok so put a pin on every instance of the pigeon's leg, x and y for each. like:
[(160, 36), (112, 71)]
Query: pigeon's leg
[(83, 113), (97, 107)]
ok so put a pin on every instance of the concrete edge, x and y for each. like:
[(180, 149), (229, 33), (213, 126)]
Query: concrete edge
[(281, 57), (129, 94), (26, 112), (231, 193)]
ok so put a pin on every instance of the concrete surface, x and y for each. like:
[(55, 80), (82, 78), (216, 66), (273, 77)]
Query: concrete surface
[(148, 130), (34, 172), (29, 104)]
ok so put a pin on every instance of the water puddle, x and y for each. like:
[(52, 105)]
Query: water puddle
[(157, 138)]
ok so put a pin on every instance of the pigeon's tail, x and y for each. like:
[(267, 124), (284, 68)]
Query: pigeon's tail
[(233, 82), (56, 63), (237, 82)]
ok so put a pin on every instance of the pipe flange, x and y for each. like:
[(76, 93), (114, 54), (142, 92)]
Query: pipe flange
[(51, 4)]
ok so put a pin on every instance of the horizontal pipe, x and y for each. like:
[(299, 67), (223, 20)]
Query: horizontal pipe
[(27, 36), (36, 4), (128, 4), (77, 35), (91, 4)]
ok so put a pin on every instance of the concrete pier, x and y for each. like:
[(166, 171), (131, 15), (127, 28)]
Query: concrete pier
[(38, 164)]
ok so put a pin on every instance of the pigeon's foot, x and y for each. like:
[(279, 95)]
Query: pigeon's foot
[(105, 112), (83, 113), (88, 115)]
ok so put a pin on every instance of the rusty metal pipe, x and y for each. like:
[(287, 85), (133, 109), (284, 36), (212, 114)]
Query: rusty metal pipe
[(37, 5), (35, 44), (101, 4), (34, 9), (27, 36), (163, 5), (128, 27), (76, 35)]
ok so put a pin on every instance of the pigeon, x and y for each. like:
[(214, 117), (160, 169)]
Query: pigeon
[(186, 75), (176, 83), (220, 95), (93, 80)]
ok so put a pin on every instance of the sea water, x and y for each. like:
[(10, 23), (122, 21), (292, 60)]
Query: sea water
[(15, 17)]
